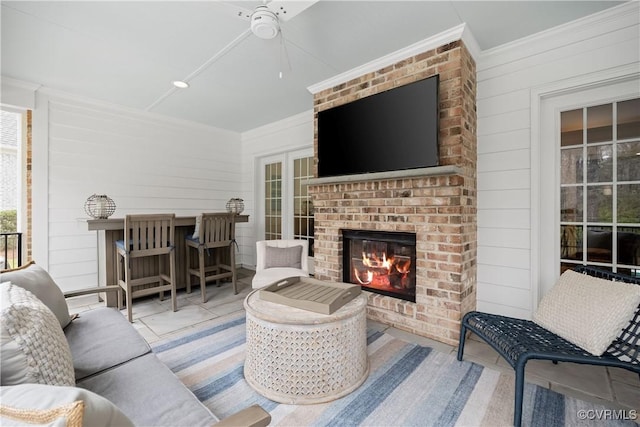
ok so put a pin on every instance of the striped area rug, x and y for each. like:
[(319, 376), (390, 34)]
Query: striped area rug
[(408, 385)]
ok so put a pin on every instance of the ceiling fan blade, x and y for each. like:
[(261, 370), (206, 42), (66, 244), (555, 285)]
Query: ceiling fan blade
[(287, 9)]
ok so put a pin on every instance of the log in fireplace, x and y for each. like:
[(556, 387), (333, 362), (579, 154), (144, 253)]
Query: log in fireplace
[(383, 262)]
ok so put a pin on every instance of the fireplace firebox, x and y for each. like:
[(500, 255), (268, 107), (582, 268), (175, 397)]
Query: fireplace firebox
[(383, 262)]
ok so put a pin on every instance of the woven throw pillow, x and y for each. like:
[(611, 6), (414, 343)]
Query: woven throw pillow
[(51, 405), (283, 257), (32, 344), (587, 311), (36, 280)]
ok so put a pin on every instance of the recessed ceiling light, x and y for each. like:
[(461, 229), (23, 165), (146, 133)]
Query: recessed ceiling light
[(180, 84)]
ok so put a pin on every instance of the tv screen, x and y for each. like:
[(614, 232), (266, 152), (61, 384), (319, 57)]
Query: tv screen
[(392, 130)]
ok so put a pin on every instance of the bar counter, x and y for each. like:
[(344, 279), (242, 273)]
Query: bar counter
[(113, 229)]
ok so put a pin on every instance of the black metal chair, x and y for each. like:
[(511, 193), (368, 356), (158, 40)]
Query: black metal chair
[(519, 340)]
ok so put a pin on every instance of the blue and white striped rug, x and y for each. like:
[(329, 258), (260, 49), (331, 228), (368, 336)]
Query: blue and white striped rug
[(408, 385)]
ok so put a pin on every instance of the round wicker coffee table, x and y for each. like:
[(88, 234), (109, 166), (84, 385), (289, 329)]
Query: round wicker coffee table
[(297, 356)]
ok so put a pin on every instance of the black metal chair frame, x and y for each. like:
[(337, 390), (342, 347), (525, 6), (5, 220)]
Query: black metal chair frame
[(519, 340)]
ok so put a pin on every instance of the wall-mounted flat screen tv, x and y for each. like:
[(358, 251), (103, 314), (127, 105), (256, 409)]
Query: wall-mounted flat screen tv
[(392, 130)]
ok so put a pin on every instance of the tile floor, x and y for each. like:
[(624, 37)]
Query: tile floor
[(616, 388)]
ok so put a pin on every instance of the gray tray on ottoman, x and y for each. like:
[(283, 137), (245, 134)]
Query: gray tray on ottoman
[(310, 294)]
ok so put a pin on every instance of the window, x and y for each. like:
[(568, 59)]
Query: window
[(600, 186)]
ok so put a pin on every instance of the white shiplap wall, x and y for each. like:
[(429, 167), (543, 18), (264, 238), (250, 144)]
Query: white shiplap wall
[(509, 82), (144, 162)]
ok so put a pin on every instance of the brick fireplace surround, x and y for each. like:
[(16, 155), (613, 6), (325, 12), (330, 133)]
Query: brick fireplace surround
[(438, 204)]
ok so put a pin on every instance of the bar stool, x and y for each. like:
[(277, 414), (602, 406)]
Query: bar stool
[(215, 233), (147, 236)]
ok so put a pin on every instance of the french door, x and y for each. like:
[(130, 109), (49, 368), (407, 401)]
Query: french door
[(589, 181), (287, 209)]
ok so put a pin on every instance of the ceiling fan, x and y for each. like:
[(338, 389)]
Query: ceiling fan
[(264, 23), (265, 19)]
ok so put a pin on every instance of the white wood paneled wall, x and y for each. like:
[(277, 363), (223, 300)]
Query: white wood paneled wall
[(146, 164), (508, 76)]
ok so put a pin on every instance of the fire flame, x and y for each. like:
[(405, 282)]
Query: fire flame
[(363, 282), (379, 270), (375, 262)]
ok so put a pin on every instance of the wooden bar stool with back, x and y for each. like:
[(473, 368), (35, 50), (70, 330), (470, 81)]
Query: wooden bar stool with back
[(150, 243), (215, 235)]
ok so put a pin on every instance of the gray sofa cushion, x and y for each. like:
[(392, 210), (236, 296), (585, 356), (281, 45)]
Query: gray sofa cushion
[(147, 392), (36, 280), (102, 338)]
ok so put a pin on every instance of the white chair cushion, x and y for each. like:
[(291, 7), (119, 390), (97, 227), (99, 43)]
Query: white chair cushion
[(271, 275), (32, 345), (587, 311)]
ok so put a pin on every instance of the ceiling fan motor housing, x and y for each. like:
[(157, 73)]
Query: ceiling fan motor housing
[(264, 23)]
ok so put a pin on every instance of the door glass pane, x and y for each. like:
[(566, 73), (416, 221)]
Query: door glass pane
[(629, 245), (629, 119), (600, 163), (571, 242), (571, 127), (629, 161), (600, 123), (629, 203), (273, 201), (571, 201), (571, 160), (599, 244), (599, 203)]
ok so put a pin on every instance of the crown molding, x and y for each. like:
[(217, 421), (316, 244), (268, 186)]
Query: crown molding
[(608, 20), (20, 83), (62, 97), (300, 119), (456, 33)]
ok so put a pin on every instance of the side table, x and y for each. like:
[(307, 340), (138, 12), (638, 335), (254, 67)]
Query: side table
[(297, 356)]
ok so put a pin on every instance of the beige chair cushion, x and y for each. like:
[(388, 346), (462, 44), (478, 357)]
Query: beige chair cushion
[(587, 311), (36, 280), (58, 406), (33, 346), (283, 257)]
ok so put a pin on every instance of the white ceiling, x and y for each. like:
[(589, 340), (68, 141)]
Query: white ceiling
[(128, 53)]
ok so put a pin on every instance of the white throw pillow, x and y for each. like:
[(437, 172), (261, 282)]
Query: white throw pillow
[(32, 345), (587, 311), (51, 405)]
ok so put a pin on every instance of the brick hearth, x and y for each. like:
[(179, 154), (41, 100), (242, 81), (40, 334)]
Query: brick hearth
[(438, 204)]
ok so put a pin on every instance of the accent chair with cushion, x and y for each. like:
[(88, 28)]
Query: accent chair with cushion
[(591, 316), (279, 259), (90, 369)]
